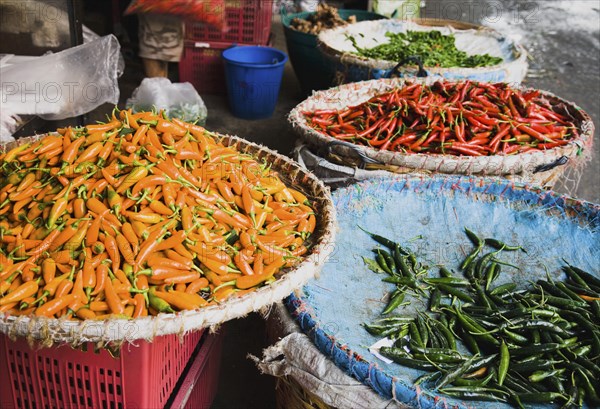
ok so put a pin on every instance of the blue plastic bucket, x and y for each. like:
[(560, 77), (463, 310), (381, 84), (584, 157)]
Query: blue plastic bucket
[(253, 76)]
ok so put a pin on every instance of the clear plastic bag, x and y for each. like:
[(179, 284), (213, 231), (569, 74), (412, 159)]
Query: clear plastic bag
[(178, 100), (64, 84)]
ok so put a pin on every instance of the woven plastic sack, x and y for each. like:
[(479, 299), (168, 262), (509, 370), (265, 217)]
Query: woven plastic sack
[(543, 168), (306, 374), (473, 39)]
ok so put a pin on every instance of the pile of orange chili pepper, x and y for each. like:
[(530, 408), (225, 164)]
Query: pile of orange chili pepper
[(454, 118), (138, 216)]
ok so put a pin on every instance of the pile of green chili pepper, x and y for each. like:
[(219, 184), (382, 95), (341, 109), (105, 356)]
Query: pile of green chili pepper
[(452, 118), (482, 341), (432, 47)]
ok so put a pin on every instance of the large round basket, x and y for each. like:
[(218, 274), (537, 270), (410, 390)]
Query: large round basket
[(116, 331), (336, 46), (428, 216), (313, 71), (540, 168)]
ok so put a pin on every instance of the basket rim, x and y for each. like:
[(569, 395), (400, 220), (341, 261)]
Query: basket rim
[(330, 98), (519, 52), (116, 331)]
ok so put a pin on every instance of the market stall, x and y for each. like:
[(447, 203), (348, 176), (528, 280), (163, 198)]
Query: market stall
[(410, 252)]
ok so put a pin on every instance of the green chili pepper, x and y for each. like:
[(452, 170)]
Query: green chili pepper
[(588, 278), (373, 265), (449, 377), (503, 289), (491, 274), (504, 363), (540, 397), (456, 293), (497, 244), (435, 299), (444, 272), (536, 349), (590, 389), (422, 330), (475, 382), (157, 303), (475, 239), (514, 337), (380, 239), (476, 393), (395, 300), (452, 281), (446, 333), (415, 335), (404, 269), (382, 263)]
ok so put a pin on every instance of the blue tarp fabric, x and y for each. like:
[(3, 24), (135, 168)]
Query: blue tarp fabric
[(551, 227)]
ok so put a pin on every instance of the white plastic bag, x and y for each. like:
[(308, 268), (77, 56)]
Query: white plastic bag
[(64, 84), (8, 125), (178, 100)]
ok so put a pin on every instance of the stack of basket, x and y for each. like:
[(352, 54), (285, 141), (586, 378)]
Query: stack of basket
[(248, 23), (321, 352)]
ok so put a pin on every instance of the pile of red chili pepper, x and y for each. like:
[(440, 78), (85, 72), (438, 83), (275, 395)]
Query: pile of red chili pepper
[(139, 216), (454, 118)]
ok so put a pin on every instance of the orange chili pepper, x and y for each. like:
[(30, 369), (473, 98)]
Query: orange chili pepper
[(101, 278), (103, 127), (248, 281), (85, 313), (70, 153), (51, 307), (48, 270), (196, 285), (25, 290), (112, 299), (242, 264), (141, 309), (183, 278)]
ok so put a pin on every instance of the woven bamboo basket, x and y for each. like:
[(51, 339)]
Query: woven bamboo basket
[(537, 168), (117, 331), (336, 47), (291, 395)]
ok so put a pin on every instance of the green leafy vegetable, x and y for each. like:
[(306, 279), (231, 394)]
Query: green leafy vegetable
[(434, 48)]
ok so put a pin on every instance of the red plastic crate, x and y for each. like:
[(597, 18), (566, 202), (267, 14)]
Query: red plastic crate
[(249, 22), (198, 387), (201, 65), (143, 376)]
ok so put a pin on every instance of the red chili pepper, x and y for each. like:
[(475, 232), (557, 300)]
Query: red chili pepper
[(537, 135)]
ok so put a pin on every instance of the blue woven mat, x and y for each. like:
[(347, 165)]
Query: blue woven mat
[(551, 227)]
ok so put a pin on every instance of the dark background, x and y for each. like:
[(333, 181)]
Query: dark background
[(563, 39)]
